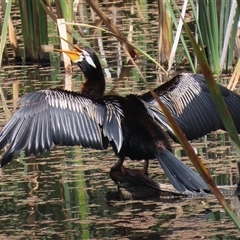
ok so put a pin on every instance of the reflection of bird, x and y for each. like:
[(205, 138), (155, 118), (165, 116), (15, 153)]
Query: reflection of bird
[(57, 117)]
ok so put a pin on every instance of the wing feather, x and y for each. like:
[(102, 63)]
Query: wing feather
[(56, 117), (189, 101), (32, 138)]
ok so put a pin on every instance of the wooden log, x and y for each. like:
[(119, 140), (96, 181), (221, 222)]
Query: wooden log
[(133, 186)]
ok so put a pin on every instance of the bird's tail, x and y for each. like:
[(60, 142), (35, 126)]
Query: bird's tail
[(181, 176)]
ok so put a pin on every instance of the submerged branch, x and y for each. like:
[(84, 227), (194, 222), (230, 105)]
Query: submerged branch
[(133, 186)]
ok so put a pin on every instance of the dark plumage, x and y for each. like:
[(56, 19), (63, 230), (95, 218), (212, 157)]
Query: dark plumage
[(129, 124), (57, 117), (189, 101)]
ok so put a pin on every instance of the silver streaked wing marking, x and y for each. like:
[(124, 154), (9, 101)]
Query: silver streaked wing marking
[(61, 118)]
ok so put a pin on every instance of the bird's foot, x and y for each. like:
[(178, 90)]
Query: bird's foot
[(120, 174), (116, 173)]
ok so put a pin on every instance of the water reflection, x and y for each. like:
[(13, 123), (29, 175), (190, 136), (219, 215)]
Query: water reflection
[(62, 194)]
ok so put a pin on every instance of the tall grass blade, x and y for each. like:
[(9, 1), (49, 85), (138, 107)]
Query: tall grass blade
[(226, 118), (217, 24), (25, 29), (67, 9), (13, 41), (43, 25), (175, 21), (4, 29), (233, 40), (235, 77), (165, 33), (67, 62), (213, 32), (177, 36), (83, 200), (228, 33)]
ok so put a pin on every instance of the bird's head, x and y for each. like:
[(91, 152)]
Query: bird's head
[(90, 65), (85, 58)]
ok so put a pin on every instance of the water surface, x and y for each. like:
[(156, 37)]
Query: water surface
[(63, 194)]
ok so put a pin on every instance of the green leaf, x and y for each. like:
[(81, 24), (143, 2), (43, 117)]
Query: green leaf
[(4, 29)]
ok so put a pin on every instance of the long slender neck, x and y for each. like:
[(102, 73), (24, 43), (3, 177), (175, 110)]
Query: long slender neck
[(94, 85)]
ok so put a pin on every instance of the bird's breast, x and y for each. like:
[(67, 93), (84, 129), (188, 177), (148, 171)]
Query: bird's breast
[(141, 135)]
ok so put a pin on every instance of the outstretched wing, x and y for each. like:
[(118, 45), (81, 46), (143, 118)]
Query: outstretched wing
[(189, 101), (56, 117)]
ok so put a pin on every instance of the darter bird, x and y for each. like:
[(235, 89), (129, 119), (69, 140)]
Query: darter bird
[(130, 124)]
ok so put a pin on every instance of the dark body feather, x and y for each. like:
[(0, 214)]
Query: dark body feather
[(141, 133), (129, 124)]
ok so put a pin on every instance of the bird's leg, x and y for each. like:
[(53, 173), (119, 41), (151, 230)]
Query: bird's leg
[(118, 166), (145, 167), (137, 172), (120, 174)]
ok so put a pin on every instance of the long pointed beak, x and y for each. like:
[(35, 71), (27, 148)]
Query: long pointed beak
[(74, 56)]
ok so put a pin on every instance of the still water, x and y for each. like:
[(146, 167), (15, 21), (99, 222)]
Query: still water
[(64, 194)]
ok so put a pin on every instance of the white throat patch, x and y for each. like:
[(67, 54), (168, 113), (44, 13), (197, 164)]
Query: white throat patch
[(88, 58)]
